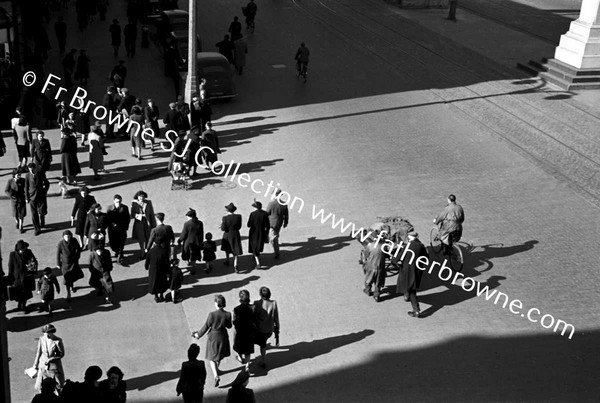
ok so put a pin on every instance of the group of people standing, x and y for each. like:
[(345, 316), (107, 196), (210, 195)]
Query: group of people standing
[(234, 46)]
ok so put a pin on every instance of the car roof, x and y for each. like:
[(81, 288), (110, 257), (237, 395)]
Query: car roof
[(175, 13), (211, 56)]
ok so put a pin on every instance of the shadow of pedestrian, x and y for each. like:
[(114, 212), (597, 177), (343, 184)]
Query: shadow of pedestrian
[(313, 247), (199, 290), (146, 381)]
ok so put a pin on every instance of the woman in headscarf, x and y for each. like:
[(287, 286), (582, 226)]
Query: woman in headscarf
[(142, 213), (15, 189), (68, 253), (22, 270), (48, 358)]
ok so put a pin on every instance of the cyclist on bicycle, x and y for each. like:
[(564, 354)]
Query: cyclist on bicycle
[(451, 219), (251, 10), (301, 58)]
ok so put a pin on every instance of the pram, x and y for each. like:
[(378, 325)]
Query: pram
[(180, 176)]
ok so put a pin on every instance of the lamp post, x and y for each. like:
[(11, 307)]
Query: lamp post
[(191, 82)]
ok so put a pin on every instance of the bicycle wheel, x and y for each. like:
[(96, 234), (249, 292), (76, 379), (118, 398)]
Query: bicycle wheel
[(456, 259), (434, 241)]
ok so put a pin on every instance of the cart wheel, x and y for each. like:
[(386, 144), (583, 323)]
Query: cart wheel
[(434, 241), (456, 259)]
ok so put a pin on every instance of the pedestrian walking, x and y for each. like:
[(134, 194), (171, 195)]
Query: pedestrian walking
[(110, 102), (210, 140), (118, 74), (135, 133), (409, 276), (15, 190), (100, 264), (192, 152), (41, 152), (217, 342), (82, 205), (157, 264), (151, 115), (192, 377), (96, 150), (231, 243), (82, 124), (173, 119), (68, 252), (130, 33), (23, 139), (36, 190), (87, 391), (258, 222), (278, 218), (266, 320), (48, 358), (251, 10), (96, 221), (118, 225), (205, 113), (374, 268), (68, 64), (184, 109), (22, 269), (241, 49), (45, 289), (175, 279), (68, 152), (60, 28), (62, 114), (238, 392), (243, 322), (235, 28), (115, 37), (113, 389), (195, 118), (82, 70), (162, 234), (209, 252), (191, 238), (226, 48), (142, 213)]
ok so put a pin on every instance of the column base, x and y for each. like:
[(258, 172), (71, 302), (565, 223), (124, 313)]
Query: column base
[(568, 77)]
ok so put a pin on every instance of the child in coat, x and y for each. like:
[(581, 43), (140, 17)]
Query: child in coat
[(176, 279), (209, 251), (45, 287)]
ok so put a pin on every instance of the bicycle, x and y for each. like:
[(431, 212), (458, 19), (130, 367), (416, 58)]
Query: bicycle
[(302, 69), (456, 258)]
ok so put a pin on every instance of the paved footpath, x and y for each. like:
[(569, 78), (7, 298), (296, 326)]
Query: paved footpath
[(428, 117)]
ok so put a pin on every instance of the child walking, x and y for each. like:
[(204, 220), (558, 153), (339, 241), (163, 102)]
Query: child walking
[(176, 279), (45, 287), (209, 251)]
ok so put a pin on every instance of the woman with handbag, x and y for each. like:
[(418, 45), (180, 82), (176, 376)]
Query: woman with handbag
[(22, 270), (48, 356)]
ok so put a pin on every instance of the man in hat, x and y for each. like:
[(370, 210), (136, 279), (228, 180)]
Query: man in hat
[(195, 110), (151, 115), (173, 119), (48, 358), (118, 225), (184, 109), (36, 189), (278, 217), (451, 219), (162, 235), (374, 268), (232, 240), (192, 236), (409, 276), (259, 225)]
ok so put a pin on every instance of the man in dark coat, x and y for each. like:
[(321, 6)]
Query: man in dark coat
[(192, 377), (162, 235), (68, 253), (258, 222), (192, 236), (83, 203), (130, 33), (231, 243), (173, 119), (157, 264), (110, 102), (60, 27), (42, 152), (226, 48), (374, 268), (278, 217), (36, 189), (409, 276), (118, 225)]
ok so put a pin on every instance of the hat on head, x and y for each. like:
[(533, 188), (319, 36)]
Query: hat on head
[(140, 193), (150, 100), (21, 245), (241, 378), (67, 232), (160, 216), (84, 189), (230, 207), (413, 234), (257, 204), (191, 213), (49, 328)]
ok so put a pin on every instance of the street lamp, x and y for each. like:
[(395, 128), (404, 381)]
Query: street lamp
[(191, 82)]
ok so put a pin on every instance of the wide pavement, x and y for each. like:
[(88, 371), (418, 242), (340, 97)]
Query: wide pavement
[(401, 108)]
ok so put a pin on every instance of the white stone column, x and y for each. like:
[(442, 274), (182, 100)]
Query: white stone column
[(191, 83), (580, 47)]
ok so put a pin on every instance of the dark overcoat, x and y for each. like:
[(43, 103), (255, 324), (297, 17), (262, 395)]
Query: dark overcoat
[(42, 154), (161, 235), (217, 342), (15, 189), (81, 207), (259, 225), (232, 240), (68, 153), (67, 258), (409, 276), (191, 380), (243, 321), (157, 264), (18, 276), (141, 228), (192, 236), (95, 222)]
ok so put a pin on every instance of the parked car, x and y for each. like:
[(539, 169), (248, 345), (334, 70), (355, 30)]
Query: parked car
[(176, 21), (216, 69), (180, 42), (153, 8)]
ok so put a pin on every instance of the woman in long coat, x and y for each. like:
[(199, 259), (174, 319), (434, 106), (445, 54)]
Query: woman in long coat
[(42, 152), (217, 342), (68, 253), (22, 135), (142, 213), (259, 225), (192, 236), (95, 221), (157, 264), (83, 203), (22, 269), (15, 189), (232, 240), (243, 321), (96, 151), (68, 155)]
